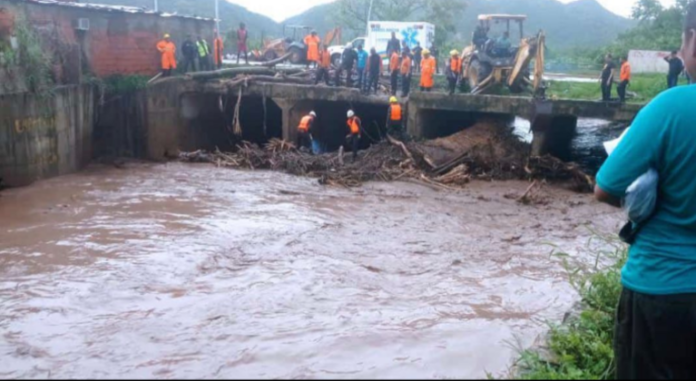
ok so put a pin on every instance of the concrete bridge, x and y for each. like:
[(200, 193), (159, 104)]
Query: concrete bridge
[(178, 108)]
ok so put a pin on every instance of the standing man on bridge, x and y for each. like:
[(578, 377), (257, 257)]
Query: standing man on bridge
[(406, 72), (218, 48), (656, 319), (312, 42), (304, 131), (375, 68), (417, 57), (395, 119), (625, 79), (203, 54), (189, 51), (394, 45), (348, 59), (454, 71), (427, 71), (324, 66), (354, 128), (394, 66), (607, 77), (167, 49), (362, 65), (242, 39)]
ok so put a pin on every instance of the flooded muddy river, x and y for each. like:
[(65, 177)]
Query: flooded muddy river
[(188, 271)]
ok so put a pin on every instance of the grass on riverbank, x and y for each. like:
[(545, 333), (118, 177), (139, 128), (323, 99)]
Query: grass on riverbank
[(645, 86), (582, 349)]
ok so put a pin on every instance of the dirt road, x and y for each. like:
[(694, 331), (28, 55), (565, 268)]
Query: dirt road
[(187, 271)]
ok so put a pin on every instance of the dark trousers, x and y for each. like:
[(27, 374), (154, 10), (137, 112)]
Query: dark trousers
[(361, 78), (606, 90), (394, 82), (417, 65), (304, 140), (189, 64), (373, 83), (166, 72), (203, 63), (426, 89), (621, 89), (655, 337), (452, 85), (405, 85), (354, 141), (396, 129), (239, 55), (349, 76), (322, 73), (672, 81)]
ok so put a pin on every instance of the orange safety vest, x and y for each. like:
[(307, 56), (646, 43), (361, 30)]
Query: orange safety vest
[(406, 66), (394, 63), (312, 43), (304, 123), (168, 50), (325, 59), (626, 72), (427, 71), (218, 48), (396, 113), (456, 65), (354, 125)]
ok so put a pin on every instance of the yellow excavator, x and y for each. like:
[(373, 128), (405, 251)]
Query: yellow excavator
[(293, 45), (487, 64)]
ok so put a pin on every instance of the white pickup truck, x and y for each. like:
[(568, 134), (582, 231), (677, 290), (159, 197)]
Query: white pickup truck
[(410, 33)]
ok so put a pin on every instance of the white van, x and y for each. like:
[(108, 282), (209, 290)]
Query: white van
[(412, 33)]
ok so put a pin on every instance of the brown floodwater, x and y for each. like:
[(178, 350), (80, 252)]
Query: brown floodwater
[(189, 271)]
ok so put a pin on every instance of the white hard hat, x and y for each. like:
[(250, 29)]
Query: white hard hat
[(313, 114), (351, 113)]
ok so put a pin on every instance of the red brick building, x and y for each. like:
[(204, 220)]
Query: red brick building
[(100, 39)]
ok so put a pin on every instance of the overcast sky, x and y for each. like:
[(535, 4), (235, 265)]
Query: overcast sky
[(281, 10)]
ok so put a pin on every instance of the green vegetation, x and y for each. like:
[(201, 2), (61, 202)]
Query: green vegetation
[(644, 86), (582, 349), (30, 63)]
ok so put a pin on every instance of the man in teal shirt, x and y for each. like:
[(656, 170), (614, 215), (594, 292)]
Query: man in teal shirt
[(656, 325)]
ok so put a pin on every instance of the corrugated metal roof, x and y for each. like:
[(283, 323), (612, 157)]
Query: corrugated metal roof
[(112, 8)]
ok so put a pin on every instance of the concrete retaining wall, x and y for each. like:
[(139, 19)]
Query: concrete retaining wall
[(45, 136)]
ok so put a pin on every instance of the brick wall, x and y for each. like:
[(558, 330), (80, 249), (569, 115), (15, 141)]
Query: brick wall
[(117, 42)]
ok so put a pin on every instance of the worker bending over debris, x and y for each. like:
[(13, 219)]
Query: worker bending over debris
[(312, 42), (348, 59), (427, 71), (324, 66), (304, 131), (395, 119), (454, 71), (355, 128), (168, 50), (394, 63), (406, 66)]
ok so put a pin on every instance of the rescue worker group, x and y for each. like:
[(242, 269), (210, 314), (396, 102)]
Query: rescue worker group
[(402, 64)]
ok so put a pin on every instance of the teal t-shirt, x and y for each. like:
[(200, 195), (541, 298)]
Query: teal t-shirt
[(663, 136)]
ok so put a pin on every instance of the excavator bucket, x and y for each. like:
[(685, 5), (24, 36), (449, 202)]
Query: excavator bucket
[(522, 60), (540, 60), (333, 35)]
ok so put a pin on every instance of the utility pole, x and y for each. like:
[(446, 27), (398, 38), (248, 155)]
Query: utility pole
[(369, 17), (156, 5), (217, 16)]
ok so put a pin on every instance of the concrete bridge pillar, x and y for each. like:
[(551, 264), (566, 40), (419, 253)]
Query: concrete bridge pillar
[(553, 135), (293, 111)]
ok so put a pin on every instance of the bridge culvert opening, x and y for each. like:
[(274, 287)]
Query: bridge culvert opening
[(331, 128), (442, 123), (260, 118)]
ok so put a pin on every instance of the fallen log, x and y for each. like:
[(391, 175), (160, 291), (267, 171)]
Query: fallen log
[(248, 70), (277, 60)]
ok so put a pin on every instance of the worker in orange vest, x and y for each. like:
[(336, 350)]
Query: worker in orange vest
[(625, 79), (406, 66), (168, 50), (218, 48), (355, 128), (324, 66), (312, 42), (394, 66), (454, 71), (304, 131), (395, 119), (427, 71)]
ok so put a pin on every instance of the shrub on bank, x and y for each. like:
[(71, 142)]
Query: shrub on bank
[(582, 347)]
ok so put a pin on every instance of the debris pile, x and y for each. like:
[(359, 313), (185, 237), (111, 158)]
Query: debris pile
[(447, 163)]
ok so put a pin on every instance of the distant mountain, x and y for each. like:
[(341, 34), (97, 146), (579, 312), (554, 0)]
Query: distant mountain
[(580, 23), (230, 14)]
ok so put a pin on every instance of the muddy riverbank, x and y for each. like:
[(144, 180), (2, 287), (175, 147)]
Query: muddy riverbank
[(184, 271)]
